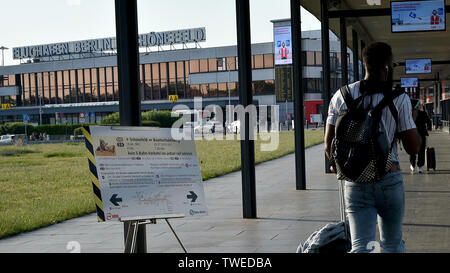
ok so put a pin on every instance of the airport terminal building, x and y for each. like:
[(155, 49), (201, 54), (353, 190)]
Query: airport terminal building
[(79, 83)]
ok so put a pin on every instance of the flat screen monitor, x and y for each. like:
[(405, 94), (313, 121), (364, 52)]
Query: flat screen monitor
[(410, 82), (418, 66), (408, 16), (283, 45)]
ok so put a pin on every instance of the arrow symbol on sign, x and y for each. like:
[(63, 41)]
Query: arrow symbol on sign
[(192, 196), (115, 200)]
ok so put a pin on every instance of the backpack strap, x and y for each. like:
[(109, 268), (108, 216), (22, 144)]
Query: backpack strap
[(347, 96), (348, 99), (388, 101)]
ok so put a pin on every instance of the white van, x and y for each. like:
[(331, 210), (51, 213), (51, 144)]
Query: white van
[(8, 139)]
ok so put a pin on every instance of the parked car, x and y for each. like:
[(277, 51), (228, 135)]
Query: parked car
[(209, 127), (234, 127), (8, 139)]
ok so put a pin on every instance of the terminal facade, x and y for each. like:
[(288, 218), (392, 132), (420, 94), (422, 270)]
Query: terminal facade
[(83, 88)]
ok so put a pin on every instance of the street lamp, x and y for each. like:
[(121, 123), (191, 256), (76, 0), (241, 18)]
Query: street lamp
[(2, 48)]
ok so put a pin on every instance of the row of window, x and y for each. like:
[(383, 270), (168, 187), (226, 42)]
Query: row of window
[(100, 84), (158, 81)]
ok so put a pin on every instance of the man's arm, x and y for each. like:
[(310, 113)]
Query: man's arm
[(407, 130), (411, 141), (329, 135)]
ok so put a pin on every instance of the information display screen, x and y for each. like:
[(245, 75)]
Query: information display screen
[(418, 66), (408, 16), (409, 82), (283, 45), (284, 84)]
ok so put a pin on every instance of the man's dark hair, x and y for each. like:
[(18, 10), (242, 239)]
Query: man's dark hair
[(376, 55)]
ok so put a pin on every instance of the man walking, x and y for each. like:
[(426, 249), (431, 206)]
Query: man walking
[(423, 122), (381, 200)]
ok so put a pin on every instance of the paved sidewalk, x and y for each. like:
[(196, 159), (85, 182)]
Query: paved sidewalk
[(286, 216)]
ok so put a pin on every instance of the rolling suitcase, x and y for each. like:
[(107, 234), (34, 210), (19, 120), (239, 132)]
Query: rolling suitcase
[(332, 238), (431, 159)]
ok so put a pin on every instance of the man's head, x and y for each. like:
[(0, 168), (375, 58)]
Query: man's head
[(377, 58), (283, 44), (434, 12)]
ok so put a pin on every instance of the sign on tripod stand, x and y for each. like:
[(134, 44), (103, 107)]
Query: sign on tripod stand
[(138, 171)]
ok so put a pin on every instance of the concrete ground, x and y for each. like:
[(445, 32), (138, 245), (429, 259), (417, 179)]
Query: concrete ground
[(286, 217)]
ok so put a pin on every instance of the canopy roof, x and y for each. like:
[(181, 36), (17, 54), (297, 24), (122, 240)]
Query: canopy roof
[(373, 23)]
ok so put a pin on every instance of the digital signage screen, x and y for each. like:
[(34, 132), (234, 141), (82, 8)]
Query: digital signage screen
[(409, 82), (418, 66), (408, 16), (283, 45)]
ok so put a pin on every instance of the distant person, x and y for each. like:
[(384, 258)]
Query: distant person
[(423, 122), (365, 200), (284, 51), (435, 19)]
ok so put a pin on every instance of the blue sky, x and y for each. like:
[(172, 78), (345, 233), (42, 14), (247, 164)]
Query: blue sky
[(27, 22)]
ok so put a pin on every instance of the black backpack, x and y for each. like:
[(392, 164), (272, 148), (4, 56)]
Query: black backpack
[(360, 152)]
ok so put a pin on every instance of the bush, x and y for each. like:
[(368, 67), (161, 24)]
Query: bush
[(112, 119), (15, 128), (150, 123), (50, 129), (161, 119), (164, 118), (78, 131)]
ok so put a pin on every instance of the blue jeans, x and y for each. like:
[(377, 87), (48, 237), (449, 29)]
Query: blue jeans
[(364, 202)]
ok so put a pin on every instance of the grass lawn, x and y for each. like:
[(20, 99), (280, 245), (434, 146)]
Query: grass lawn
[(49, 183)]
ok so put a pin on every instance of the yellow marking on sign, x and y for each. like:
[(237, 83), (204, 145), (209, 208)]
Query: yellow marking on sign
[(6, 106), (173, 98)]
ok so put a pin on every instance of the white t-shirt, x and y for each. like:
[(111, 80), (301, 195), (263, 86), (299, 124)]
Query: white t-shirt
[(387, 123)]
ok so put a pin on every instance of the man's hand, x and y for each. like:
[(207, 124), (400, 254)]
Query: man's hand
[(332, 169), (329, 135)]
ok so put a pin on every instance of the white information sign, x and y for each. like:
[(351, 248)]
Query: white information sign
[(316, 118), (144, 171)]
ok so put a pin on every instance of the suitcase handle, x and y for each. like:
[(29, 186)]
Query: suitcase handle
[(342, 207)]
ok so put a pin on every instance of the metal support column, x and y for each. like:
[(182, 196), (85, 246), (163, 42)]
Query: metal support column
[(97, 73), (36, 90), (77, 85), (355, 56), (70, 85), (325, 65), (49, 88), (56, 88), (300, 177), (128, 68), (113, 84), (63, 87), (84, 86), (106, 83), (344, 60), (142, 81), (20, 86), (245, 99)]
